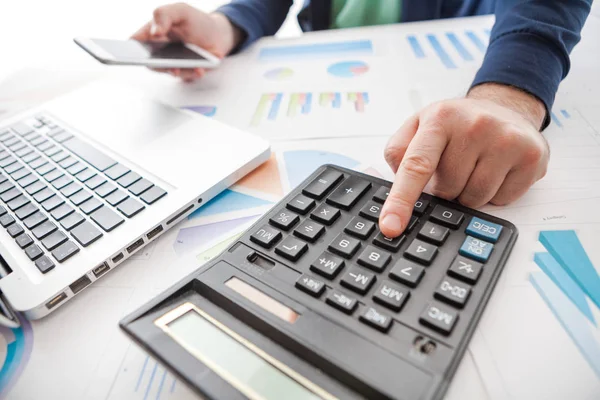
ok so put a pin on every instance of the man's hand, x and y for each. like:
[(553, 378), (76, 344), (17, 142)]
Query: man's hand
[(484, 148), (182, 22)]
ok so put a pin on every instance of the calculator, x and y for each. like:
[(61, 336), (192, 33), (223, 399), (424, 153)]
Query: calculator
[(313, 302)]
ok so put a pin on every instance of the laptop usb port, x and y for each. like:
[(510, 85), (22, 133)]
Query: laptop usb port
[(154, 232), (100, 270), (55, 301), (79, 284), (135, 245)]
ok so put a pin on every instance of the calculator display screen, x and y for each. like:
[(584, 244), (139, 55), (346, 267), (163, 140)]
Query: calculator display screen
[(240, 363)]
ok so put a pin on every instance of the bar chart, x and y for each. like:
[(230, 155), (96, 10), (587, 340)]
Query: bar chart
[(452, 49)]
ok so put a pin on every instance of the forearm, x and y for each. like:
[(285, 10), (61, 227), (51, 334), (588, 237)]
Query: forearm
[(530, 46)]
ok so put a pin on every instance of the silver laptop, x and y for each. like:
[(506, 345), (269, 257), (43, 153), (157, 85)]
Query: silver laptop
[(90, 178)]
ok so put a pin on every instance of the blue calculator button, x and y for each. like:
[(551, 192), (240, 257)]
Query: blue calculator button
[(476, 249), (484, 229)]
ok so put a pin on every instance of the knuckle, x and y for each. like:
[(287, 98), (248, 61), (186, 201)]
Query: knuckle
[(417, 165), (482, 123), (392, 154), (442, 110), (533, 155), (445, 192), (499, 201), (507, 141), (471, 200)]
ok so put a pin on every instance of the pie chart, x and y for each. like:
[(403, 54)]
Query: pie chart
[(348, 69), (279, 74)]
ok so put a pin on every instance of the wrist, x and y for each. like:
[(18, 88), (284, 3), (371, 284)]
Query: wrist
[(529, 106), (230, 34)]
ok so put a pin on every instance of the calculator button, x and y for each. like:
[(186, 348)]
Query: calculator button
[(318, 188), (325, 214), (291, 248), (358, 280), (371, 210), (483, 229), (374, 258), (433, 233), (391, 296), (466, 270), (344, 246), (284, 219), (349, 192), (439, 318), (342, 302), (447, 216), (407, 272), (377, 320), (421, 251), (476, 249), (391, 244), (420, 207), (327, 265), (411, 224), (309, 230), (266, 236), (359, 227), (310, 285), (381, 194), (453, 292), (301, 204)]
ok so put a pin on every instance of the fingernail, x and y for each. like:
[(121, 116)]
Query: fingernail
[(392, 222), (153, 28)]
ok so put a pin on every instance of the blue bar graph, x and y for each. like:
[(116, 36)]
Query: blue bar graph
[(555, 119), (444, 57), (565, 114), (476, 41), (307, 103), (337, 101), (317, 49), (416, 46), (275, 106), (462, 50)]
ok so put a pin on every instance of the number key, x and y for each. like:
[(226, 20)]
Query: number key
[(447, 216), (284, 219), (344, 246), (381, 194), (391, 244), (407, 272), (434, 233), (420, 206), (374, 258), (371, 210), (359, 227), (452, 292), (421, 252)]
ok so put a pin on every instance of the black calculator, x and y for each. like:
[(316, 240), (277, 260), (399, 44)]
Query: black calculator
[(313, 302)]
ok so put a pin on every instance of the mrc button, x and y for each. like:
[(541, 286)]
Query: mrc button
[(483, 229), (439, 318)]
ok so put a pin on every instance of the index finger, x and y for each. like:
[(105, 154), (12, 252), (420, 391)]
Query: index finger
[(144, 33), (416, 169)]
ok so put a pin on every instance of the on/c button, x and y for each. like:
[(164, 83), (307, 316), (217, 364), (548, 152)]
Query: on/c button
[(483, 229)]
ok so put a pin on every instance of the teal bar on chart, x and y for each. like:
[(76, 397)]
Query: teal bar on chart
[(567, 250)]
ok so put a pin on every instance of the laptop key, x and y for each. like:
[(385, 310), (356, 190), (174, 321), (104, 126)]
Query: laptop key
[(62, 211), (94, 182), (36, 141), (6, 220), (130, 207), (7, 161), (116, 171), (76, 168), (140, 186), (9, 195), (33, 252), (30, 157), (107, 219), (86, 233), (23, 240), (22, 128), (71, 221), (35, 220), (54, 175), (129, 179), (90, 206), (15, 230), (6, 186), (43, 195), (37, 163), (105, 189), (80, 197), (89, 153), (70, 189), (67, 162), (2, 211), (54, 240), (152, 195), (116, 197), (52, 203), (43, 230), (65, 251), (26, 211), (14, 167), (51, 151), (44, 264), (62, 136), (28, 180), (60, 156), (85, 175), (18, 203)]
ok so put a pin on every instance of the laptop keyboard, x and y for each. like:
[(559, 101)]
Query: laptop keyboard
[(59, 193)]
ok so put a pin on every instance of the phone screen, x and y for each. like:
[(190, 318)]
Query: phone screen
[(134, 50)]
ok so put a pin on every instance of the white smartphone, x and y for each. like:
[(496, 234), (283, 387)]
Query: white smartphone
[(149, 54)]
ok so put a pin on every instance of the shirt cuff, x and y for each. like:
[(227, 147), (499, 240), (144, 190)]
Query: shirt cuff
[(242, 21), (528, 62)]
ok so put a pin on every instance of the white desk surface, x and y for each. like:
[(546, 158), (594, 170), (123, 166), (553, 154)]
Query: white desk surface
[(520, 349)]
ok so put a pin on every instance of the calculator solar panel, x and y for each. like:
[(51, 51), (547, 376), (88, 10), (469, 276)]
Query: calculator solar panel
[(317, 287)]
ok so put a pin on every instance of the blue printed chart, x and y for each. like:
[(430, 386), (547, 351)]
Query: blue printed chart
[(316, 50), (236, 208), (559, 117), (348, 69), (453, 50), (569, 284)]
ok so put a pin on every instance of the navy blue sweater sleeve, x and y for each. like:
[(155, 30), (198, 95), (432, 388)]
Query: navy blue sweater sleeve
[(530, 45), (257, 18)]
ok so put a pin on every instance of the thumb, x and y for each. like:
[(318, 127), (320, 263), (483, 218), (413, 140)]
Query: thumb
[(167, 16)]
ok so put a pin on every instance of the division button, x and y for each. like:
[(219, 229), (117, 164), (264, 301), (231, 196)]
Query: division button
[(438, 317), (309, 230)]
